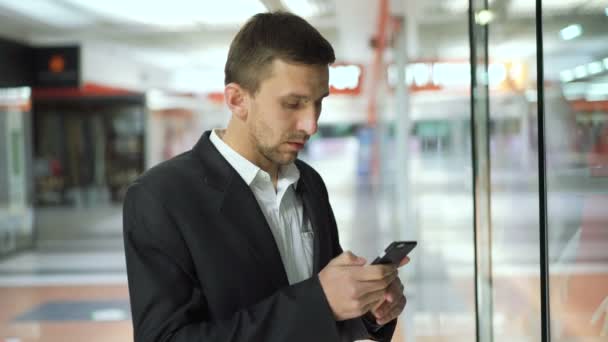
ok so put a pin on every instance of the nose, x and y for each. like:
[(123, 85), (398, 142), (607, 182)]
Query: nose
[(308, 122)]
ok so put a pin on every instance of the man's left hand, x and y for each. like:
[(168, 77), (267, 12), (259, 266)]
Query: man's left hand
[(393, 304), (394, 301)]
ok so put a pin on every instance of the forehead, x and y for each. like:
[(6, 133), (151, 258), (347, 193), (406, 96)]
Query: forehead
[(305, 79)]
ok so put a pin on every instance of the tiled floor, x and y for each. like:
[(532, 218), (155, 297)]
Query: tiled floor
[(107, 325), (63, 265), (94, 314)]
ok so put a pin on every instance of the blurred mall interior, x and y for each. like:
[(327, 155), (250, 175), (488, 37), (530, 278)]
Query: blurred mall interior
[(478, 128)]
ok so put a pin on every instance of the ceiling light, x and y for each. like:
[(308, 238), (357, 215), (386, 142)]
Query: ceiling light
[(303, 8), (580, 71), (344, 76), (450, 74), (571, 32), (174, 14), (566, 76), (606, 63), (421, 72), (606, 11), (484, 17), (48, 12), (594, 68)]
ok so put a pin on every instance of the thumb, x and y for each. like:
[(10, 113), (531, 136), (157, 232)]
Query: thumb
[(405, 261), (348, 259)]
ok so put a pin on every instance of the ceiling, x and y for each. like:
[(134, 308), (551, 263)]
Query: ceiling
[(195, 45), (441, 27)]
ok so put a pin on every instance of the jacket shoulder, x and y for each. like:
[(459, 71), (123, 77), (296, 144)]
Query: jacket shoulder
[(171, 174)]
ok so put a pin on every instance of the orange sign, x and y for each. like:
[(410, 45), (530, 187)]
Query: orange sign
[(57, 63)]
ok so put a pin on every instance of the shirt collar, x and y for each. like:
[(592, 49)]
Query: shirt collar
[(248, 170), (290, 174)]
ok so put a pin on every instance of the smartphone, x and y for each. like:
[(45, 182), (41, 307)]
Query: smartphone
[(395, 252)]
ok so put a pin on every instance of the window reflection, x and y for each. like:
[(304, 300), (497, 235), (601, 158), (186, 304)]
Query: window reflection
[(576, 82)]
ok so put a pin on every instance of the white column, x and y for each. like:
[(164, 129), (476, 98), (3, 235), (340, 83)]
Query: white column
[(406, 49)]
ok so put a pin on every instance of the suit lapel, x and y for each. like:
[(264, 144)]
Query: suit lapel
[(312, 208), (242, 210)]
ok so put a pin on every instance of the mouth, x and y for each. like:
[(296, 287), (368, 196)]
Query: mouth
[(297, 145)]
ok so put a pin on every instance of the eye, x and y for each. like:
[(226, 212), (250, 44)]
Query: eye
[(291, 105)]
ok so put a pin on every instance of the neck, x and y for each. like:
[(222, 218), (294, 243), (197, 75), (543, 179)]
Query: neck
[(239, 140)]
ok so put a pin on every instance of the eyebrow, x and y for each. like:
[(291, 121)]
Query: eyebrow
[(303, 97)]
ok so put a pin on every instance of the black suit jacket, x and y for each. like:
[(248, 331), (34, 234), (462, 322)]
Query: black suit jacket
[(203, 264)]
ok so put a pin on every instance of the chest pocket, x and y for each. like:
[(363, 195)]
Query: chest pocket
[(307, 237)]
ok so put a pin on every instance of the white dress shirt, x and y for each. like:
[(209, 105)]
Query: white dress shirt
[(282, 208)]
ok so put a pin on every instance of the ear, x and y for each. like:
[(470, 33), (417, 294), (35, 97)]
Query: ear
[(236, 99)]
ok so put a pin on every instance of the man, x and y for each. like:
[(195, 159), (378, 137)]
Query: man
[(235, 239)]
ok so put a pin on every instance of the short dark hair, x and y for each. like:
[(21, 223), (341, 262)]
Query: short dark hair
[(269, 36)]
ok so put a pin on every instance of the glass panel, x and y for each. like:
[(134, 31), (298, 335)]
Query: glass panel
[(576, 116), (512, 84), (86, 153), (425, 174), (16, 214)]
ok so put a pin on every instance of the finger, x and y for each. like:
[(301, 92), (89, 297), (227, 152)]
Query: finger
[(393, 313), (396, 309), (405, 261), (366, 288), (377, 306), (377, 285), (370, 299), (369, 307), (348, 259), (387, 306), (386, 320), (381, 309), (376, 272), (395, 290)]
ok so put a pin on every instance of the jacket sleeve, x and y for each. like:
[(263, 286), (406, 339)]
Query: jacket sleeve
[(358, 328), (168, 302)]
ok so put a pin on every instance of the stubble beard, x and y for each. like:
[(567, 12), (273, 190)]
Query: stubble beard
[(273, 154), (269, 151)]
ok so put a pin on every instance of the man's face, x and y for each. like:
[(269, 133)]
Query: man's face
[(283, 114)]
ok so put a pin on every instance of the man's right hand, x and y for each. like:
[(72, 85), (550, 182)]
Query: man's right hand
[(352, 288)]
